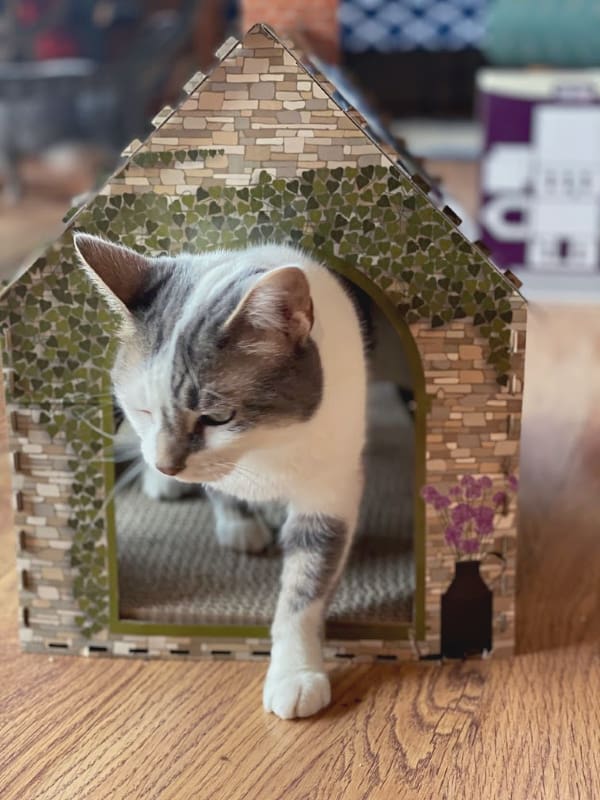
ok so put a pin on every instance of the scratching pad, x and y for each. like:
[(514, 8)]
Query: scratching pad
[(172, 570)]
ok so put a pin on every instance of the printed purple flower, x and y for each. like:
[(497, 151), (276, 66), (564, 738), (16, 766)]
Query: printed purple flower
[(483, 518), (513, 483), (500, 499), (429, 494), (473, 490), (453, 534), (441, 501), (467, 522), (461, 513), (469, 546)]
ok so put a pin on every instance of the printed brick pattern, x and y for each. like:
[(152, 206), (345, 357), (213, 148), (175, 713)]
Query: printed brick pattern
[(260, 113), (474, 428)]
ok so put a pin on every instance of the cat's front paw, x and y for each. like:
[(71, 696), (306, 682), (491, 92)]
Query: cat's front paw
[(244, 534), (160, 487), (296, 694)]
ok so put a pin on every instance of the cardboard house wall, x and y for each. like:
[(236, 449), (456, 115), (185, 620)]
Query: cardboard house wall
[(258, 150)]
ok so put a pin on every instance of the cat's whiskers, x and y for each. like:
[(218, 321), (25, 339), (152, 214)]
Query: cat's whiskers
[(256, 480), (124, 452), (127, 476), (111, 436)]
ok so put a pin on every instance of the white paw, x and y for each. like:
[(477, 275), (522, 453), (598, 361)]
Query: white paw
[(296, 694), (245, 534), (161, 487)]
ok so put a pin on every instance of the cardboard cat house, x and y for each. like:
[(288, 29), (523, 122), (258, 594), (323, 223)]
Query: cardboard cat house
[(259, 150)]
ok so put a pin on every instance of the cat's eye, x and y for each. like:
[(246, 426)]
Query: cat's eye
[(144, 411), (216, 418)]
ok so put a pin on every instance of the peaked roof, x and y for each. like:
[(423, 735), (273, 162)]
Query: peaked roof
[(159, 141), (308, 68), (325, 77), (366, 120)]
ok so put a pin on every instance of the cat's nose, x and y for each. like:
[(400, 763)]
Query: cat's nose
[(167, 470)]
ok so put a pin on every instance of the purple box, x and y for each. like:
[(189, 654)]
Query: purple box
[(540, 171)]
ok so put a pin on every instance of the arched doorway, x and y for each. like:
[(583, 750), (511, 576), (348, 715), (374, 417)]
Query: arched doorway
[(173, 578)]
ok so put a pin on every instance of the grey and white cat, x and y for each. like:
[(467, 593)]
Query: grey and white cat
[(245, 371)]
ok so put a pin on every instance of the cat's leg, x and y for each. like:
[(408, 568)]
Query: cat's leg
[(236, 525), (315, 550)]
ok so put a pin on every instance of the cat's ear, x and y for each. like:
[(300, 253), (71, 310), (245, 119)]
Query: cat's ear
[(119, 273), (279, 303)]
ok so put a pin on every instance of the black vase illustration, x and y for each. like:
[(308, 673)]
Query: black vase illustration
[(466, 613)]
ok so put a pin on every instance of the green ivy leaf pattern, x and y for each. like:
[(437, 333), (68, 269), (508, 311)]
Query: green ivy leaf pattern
[(166, 158)]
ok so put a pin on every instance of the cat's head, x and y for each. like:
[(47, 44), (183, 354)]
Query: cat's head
[(216, 357)]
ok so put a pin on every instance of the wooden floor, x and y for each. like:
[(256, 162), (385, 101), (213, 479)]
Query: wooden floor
[(527, 728)]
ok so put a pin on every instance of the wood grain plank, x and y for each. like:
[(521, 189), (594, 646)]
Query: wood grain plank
[(114, 729)]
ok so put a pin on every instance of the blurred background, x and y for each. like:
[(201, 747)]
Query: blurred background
[(500, 98)]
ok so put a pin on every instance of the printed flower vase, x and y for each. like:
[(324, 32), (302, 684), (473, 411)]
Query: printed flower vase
[(466, 613)]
